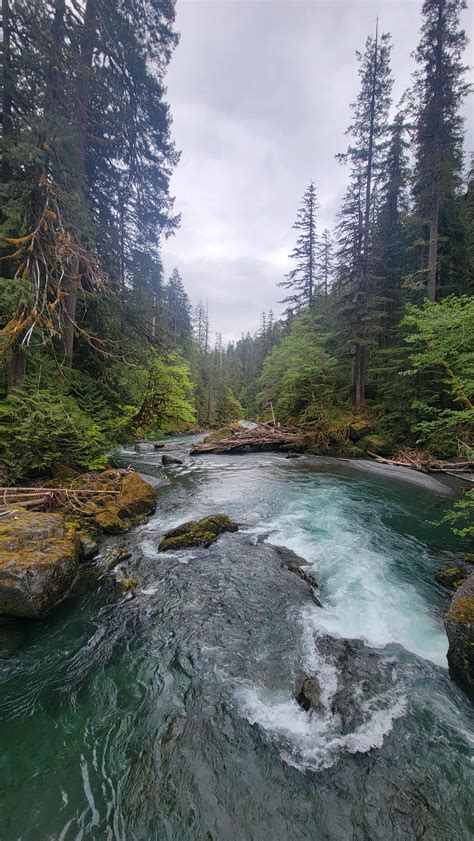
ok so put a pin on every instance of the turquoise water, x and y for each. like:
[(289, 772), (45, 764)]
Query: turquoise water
[(172, 715)]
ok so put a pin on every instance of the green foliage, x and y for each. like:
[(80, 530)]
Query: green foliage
[(227, 407), (298, 375), (461, 516), (441, 336), (43, 432), (167, 405)]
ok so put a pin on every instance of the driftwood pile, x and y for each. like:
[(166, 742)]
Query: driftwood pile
[(263, 436), (425, 463), (37, 498)]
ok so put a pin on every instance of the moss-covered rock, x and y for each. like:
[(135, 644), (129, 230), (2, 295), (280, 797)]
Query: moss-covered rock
[(373, 444), (127, 500), (459, 624), (197, 532), (39, 558), (451, 577), (358, 430)]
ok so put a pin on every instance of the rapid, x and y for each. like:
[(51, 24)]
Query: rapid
[(171, 716)]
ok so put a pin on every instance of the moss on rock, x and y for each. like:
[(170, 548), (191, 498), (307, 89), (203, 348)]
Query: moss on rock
[(197, 532), (451, 577), (373, 444), (39, 559), (131, 500), (460, 630)]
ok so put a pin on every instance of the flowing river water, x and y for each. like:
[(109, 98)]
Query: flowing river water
[(171, 716)]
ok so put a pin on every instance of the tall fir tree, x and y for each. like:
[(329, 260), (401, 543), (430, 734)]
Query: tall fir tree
[(368, 132), (301, 280), (440, 89)]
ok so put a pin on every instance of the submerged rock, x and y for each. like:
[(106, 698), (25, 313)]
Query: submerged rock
[(39, 559), (293, 455), (459, 624), (197, 532), (169, 460), (131, 500), (308, 695)]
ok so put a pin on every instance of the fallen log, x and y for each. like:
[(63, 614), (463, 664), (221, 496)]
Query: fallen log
[(41, 497), (261, 437), (425, 464)]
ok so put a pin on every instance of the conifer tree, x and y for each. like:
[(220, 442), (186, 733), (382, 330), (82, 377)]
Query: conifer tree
[(301, 280), (368, 131), (440, 89)]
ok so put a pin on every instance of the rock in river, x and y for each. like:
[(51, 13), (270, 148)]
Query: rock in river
[(131, 499), (197, 532), (39, 558), (169, 460), (460, 630)]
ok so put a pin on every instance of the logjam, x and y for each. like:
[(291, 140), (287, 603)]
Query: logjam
[(40, 498), (425, 463), (261, 437)]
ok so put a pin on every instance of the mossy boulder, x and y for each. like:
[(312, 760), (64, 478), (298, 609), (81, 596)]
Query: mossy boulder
[(451, 577), (358, 430), (127, 499), (459, 624), (39, 559), (197, 532), (373, 444)]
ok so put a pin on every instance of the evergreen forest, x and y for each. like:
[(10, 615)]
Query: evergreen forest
[(99, 347)]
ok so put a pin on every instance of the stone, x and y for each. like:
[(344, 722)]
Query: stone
[(358, 429), (293, 455), (167, 461), (144, 447), (197, 532), (133, 500), (308, 696), (295, 564), (39, 560), (451, 577), (459, 623), (158, 445), (88, 546)]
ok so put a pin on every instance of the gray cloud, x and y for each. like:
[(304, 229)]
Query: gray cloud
[(260, 93)]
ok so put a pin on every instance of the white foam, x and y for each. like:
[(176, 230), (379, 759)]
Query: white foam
[(312, 741), (363, 597)]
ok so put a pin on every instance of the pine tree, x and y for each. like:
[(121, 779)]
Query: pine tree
[(301, 281), (440, 90), (366, 155), (325, 262)]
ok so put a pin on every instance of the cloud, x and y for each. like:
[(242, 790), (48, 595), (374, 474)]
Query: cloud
[(260, 93)]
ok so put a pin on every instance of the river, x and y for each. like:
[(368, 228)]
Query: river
[(171, 716)]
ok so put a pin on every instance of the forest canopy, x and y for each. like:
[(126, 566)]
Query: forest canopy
[(99, 347)]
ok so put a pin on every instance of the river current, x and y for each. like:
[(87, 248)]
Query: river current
[(171, 716)]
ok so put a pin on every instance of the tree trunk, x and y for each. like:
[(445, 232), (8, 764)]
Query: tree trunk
[(433, 241), (17, 365), (87, 44), (16, 369)]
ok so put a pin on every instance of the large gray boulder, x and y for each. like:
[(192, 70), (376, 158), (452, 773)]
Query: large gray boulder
[(39, 559)]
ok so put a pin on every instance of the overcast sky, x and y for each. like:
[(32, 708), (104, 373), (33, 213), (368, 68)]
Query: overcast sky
[(260, 92)]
